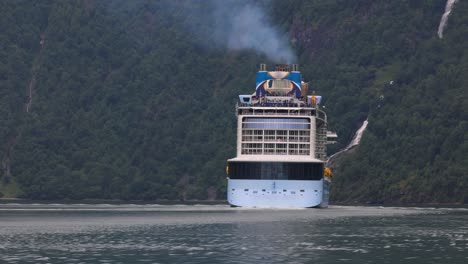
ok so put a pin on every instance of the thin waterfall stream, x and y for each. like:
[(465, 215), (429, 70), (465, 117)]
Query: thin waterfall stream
[(354, 142), (444, 19)]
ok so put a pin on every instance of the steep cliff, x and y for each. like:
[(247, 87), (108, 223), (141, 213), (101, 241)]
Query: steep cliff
[(134, 100)]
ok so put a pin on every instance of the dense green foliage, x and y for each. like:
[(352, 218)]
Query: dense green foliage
[(129, 102), (412, 85)]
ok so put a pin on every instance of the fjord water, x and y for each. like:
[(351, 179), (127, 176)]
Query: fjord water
[(56, 233)]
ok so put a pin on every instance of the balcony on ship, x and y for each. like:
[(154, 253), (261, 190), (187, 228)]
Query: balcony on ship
[(281, 109)]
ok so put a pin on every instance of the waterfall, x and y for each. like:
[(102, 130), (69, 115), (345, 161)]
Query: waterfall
[(443, 20), (356, 139)]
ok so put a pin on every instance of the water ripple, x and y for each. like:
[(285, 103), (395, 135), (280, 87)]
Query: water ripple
[(219, 234)]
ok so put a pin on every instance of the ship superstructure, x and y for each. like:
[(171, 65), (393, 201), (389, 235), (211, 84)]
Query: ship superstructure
[(281, 144)]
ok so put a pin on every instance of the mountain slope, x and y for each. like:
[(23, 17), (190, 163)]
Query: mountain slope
[(136, 100)]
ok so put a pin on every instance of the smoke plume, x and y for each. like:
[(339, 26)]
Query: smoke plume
[(237, 25), (246, 26), (231, 24)]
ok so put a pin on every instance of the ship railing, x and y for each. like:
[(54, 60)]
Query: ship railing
[(321, 115), (270, 113), (295, 105), (271, 109)]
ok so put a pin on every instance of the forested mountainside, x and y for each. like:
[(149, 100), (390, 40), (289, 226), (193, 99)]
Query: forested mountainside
[(135, 99)]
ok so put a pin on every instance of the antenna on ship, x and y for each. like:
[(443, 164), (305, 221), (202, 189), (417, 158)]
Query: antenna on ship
[(295, 67)]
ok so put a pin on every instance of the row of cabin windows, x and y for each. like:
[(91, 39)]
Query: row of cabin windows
[(257, 132), (276, 135), (275, 123), (272, 149), (275, 170)]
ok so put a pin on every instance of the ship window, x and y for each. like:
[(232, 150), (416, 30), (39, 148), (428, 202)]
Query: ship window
[(251, 148), (275, 142), (269, 148), (293, 149), (275, 171), (276, 123)]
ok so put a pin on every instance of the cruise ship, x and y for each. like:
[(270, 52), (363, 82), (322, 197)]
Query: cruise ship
[(281, 144)]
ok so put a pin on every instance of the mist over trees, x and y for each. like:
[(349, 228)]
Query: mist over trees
[(131, 100)]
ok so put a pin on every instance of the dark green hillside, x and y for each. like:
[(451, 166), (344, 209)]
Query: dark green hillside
[(124, 106), (135, 100), (383, 60)]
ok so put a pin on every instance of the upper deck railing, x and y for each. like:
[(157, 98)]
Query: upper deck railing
[(277, 104), (281, 109)]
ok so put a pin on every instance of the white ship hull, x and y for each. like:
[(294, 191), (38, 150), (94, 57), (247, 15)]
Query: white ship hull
[(277, 193), (281, 144)]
